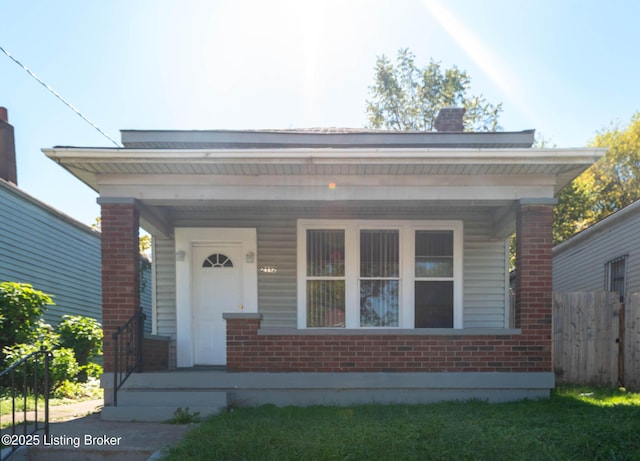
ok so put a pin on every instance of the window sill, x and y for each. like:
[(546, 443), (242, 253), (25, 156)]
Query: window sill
[(389, 332)]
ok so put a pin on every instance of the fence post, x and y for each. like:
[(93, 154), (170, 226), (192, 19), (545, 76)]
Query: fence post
[(620, 342)]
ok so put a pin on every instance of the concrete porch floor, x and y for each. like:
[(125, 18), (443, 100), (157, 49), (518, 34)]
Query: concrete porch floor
[(156, 396)]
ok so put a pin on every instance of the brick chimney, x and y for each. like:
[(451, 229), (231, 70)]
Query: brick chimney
[(450, 119), (7, 149)]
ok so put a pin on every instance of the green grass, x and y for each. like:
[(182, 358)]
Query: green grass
[(574, 424)]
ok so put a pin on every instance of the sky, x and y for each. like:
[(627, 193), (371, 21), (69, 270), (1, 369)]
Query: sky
[(567, 68)]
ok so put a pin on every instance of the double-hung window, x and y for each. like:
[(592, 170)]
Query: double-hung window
[(379, 274)]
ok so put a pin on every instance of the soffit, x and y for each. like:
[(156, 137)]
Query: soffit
[(88, 164)]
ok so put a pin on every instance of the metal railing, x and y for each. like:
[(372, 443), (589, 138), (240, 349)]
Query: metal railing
[(29, 376), (128, 351)]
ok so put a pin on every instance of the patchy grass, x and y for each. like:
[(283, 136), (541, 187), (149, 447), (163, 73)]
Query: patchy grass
[(574, 424)]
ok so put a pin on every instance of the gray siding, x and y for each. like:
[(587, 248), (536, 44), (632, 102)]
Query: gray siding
[(52, 252), (579, 263), (485, 275), (164, 265), (146, 291), (485, 268)]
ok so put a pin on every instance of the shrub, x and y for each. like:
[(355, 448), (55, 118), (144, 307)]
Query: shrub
[(83, 335), (62, 366), (20, 308), (90, 370)]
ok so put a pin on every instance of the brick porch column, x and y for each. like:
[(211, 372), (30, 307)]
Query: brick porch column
[(533, 312), (120, 269)]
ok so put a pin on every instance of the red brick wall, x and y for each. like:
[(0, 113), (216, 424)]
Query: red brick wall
[(248, 351), (534, 292), (529, 351), (120, 271), (155, 355)]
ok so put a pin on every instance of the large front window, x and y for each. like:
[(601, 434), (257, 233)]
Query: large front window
[(379, 274), (325, 278), (379, 278)]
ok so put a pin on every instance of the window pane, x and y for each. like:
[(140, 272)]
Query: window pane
[(379, 255), (434, 304), (616, 277), (325, 303), (379, 303), (434, 254), (325, 253)]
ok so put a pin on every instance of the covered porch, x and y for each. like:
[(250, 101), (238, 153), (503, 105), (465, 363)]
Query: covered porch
[(248, 210)]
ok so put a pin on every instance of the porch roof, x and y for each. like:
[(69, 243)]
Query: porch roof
[(88, 164), (331, 137)]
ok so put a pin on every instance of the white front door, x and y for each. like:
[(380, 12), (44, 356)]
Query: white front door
[(217, 288)]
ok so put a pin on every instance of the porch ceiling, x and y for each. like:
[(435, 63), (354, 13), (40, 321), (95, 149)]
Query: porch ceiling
[(161, 217)]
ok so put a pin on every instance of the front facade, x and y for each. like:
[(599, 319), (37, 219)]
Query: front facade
[(341, 256), (607, 253)]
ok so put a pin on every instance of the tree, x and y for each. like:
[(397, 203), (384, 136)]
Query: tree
[(406, 97), (609, 185)]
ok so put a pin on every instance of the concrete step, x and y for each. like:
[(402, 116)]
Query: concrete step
[(170, 397), (156, 413)]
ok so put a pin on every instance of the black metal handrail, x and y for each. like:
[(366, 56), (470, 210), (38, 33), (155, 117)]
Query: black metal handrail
[(20, 389), (128, 351)]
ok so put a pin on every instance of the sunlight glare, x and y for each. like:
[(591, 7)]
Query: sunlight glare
[(488, 62)]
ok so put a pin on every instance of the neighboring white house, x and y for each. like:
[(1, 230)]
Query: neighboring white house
[(605, 256)]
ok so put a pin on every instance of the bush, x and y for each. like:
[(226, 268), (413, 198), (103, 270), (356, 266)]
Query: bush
[(83, 335), (62, 366), (20, 308), (71, 390)]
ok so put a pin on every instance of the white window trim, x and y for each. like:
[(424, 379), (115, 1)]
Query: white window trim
[(352, 261)]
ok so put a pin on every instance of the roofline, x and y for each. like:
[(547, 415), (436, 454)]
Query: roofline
[(12, 188), (625, 213), (328, 155), (325, 137)]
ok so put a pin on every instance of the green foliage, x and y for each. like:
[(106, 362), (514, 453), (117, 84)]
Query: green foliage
[(572, 213), (407, 97), (89, 371), (62, 366), (609, 185), (184, 416), (20, 308), (77, 339), (71, 390), (83, 335)]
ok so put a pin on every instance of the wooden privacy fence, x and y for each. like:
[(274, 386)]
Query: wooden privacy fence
[(597, 339)]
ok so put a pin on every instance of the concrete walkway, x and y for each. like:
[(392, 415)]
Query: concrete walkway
[(77, 433)]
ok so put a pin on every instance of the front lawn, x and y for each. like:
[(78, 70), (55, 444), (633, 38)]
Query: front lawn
[(575, 424)]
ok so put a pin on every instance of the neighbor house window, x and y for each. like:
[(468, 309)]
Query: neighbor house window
[(615, 276), (379, 274)]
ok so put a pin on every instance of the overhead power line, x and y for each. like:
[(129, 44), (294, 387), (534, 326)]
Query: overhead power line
[(57, 95)]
